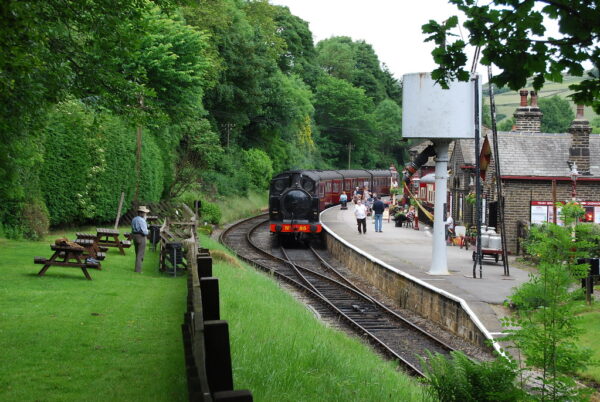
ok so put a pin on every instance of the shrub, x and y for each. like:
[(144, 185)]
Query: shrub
[(89, 160), (232, 176), (210, 213), (460, 379), (35, 219), (259, 166), (529, 295)]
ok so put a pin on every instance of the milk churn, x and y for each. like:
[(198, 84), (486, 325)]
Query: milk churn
[(495, 241), (485, 240)]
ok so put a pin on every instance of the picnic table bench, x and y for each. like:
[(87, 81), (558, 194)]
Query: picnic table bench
[(92, 249), (110, 238), (65, 256)]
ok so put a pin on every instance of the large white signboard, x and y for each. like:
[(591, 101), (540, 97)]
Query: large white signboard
[(429, 111)]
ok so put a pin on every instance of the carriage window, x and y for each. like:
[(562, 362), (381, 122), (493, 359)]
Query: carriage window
[(321, 189), (336, 187), (430, 193), (328, 187)]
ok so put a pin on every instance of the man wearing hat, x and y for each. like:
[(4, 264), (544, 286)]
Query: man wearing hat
[(139, 231)]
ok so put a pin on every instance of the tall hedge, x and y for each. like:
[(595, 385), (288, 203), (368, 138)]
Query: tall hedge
[(89, 159)]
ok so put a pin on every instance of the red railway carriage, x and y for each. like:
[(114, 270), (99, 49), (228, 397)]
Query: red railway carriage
[(297, 197)]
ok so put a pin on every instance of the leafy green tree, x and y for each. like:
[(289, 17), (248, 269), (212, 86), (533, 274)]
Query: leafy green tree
[(357, 63), (387, 119), (506, 124), (343, 115), (393, 86), (287, 124), (300, 55), (173, 65), (558, 114), (368, 73), (511, 36), (336, 57), (247, 50), (50, 49), (596, 125), (199, 149), (258, 164), (546, 328)]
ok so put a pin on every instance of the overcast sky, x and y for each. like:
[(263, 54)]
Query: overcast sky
[(392, 27)]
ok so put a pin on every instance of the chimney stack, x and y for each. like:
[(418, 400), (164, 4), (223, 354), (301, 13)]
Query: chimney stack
[(579, 152), (523, 93), (528, 118)]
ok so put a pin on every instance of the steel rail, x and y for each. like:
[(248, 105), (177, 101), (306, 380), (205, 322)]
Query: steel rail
[(378, 303), (306, 285)]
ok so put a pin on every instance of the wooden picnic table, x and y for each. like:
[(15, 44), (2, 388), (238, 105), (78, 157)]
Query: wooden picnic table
[(92, 249), (65, 256), (110, 238)]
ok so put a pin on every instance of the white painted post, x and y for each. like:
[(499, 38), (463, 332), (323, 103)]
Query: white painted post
[(439, 262)]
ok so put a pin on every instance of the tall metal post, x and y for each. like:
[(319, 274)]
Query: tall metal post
[(498, 178), (439, 261), (477, 182)]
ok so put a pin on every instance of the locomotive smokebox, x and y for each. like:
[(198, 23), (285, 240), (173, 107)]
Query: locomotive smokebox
[(429, 111)]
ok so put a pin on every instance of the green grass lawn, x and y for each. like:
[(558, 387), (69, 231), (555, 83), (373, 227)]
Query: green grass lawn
[(65, 338), (591, 324), (281, 352)]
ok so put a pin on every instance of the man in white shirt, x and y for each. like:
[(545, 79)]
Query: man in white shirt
[(360, 211), (449, 226), (139, 231)]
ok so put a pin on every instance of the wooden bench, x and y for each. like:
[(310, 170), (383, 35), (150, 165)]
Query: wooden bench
[(65, 256), (92, 249), (110, 238), (81, 235)]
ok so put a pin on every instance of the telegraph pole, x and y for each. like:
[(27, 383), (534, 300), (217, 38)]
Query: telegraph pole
[(228, 127), (350, 148)]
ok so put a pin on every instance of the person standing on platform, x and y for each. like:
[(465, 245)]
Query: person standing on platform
[(378, 208), (449, 226), (360, 211), (139, 231), (344, 200)]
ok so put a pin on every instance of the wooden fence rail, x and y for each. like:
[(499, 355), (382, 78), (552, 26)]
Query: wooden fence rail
[(206, 338)]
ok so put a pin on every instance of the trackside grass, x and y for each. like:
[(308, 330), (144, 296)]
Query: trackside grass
[(234, 207), (281, 352), (64, 338)]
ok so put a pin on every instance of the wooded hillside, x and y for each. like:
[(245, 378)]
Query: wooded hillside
[(219, 94)]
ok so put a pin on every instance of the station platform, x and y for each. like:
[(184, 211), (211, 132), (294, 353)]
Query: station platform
[(410, 251)]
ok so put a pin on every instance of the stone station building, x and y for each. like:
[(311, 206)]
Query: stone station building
[(536, 170)]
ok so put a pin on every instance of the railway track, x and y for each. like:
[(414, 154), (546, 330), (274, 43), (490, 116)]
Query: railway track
[(334, 295)]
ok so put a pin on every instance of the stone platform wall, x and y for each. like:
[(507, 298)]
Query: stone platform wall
[(434, 305)]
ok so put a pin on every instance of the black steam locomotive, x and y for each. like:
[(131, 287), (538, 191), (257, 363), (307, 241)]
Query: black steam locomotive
[(297, 197)]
